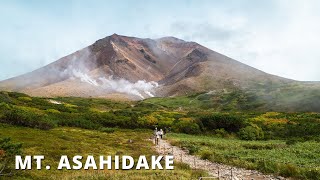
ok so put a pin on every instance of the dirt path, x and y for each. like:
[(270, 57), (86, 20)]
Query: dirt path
[(214, 169)]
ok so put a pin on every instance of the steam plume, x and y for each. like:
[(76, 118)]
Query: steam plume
[(140, 88)]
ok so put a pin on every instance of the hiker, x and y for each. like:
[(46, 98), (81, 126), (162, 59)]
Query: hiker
[(155, 131), (161, 133), (157, 137)]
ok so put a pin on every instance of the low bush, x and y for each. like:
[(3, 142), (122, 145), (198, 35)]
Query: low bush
[(268, 167), (108, 130), (206, 154), (264, 146), (251, 133), (289, 170), (25, 99), (7, 152), (25, 118), (52, 111), (291, 141), (313, 174), (221, 133), (79, 122), (187, 127), (230, 123), (192, 148)]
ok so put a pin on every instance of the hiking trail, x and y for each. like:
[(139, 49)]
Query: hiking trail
[(216, 170)]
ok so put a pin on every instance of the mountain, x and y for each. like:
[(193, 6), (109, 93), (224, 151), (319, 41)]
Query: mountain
[(122, 67)]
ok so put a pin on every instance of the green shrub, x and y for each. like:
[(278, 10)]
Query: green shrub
[(264, 146), (268, 167), (108, 130), (4, 97), (3, 107), (206, 154), (221, 132), (78, 122), (26, 118), (289, 170), (7, 152), (16, 94), (313, 174), (251, 133), (25, 99), (179, 165), (192, 148), (187, 127), (291, 141), (52, 111), (230, 123)]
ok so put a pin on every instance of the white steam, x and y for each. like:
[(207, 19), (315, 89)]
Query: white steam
[(140, 88), (124, 86), (84, 77)]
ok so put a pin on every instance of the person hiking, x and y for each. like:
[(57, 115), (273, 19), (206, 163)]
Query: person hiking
[(155, 131), (161, 133), (157, 137)]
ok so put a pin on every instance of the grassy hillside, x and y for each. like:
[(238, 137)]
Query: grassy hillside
[(100, 114), (74, 141), (300, 160), (293, 97), (69, 125)]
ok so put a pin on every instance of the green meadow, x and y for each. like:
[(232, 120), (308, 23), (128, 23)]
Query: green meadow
[(75, 141), (231, 129), (300, 160)]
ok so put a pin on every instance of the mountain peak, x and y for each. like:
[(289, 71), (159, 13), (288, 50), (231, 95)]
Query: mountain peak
[(115, 35), (132, 66)]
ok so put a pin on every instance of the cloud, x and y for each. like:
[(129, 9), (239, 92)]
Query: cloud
[(289, 47), (278, 37), (286, 43)]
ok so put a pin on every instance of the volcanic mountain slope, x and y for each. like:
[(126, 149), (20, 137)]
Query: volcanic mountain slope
[(134, 68)]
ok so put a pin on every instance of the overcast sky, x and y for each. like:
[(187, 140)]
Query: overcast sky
[(280, 37)]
